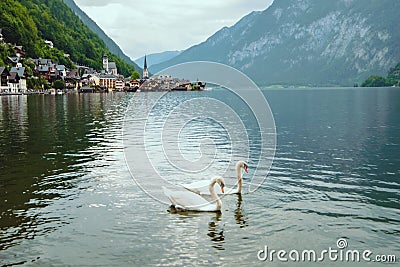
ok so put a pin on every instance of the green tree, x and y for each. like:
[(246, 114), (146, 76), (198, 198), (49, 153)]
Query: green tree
[(394, 75), (37, 83), (376, 81), (58, 84), (5, 52), (30, 67), (135, 75)]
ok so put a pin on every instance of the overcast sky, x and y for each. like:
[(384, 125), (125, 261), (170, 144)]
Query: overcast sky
[(149, 26)]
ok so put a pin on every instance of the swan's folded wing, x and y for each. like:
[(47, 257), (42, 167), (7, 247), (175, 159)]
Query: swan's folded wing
[(189, 199), (185, 199), (200, 187), (197, 185)]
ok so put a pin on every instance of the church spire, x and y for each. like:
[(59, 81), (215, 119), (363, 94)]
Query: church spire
[(145, 70)]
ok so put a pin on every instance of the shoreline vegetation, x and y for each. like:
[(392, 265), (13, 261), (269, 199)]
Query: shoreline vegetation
[(391, 80)]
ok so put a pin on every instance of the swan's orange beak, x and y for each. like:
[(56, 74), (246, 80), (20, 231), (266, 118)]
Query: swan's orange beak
[(222, 189), (246, 169)]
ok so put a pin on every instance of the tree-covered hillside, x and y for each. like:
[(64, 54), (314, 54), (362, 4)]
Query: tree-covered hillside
[(30, 22), (393, 79)]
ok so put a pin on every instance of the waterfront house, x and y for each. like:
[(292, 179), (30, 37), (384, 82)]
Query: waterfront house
[(61, 71), (17, 79), (72, 79), (107, 81), (119, 84), (134, 84), (4, 80), (95, 80), (13, 83), (90, 79)]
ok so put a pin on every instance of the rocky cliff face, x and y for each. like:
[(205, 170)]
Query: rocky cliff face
[(308, 42)]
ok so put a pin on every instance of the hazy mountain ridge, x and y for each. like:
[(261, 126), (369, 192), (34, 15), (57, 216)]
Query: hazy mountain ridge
[(307, 42), (157, 58)]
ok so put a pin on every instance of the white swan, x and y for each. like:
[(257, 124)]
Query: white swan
[(200, 187), (189, 201)]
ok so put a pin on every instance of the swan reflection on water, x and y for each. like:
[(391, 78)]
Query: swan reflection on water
[(240, 215), (216, 225), (216, 232)]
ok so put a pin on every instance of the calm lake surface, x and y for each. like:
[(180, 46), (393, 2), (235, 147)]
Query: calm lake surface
[(68, 198)]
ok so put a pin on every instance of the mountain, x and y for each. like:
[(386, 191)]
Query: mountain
[(157, 58), (307, 42), (111, 45), (29, 23)]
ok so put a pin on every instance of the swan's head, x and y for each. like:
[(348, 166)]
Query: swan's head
[(221, 183), (243, 165)]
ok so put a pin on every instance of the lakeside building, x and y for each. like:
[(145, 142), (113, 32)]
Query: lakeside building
[(165, 83), (14, 81), (109, 67), (107, 81), (4, 74)]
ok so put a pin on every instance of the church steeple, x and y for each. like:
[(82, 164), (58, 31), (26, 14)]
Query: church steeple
[(105, 62), (145, 70)]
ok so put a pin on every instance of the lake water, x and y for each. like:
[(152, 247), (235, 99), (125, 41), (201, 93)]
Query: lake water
[(67, 196)]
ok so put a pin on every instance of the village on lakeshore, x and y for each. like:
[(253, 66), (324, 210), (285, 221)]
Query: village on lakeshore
[(82, 79)]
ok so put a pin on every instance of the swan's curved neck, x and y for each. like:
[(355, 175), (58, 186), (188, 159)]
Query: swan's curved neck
[(214, 195), (239, 177)]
